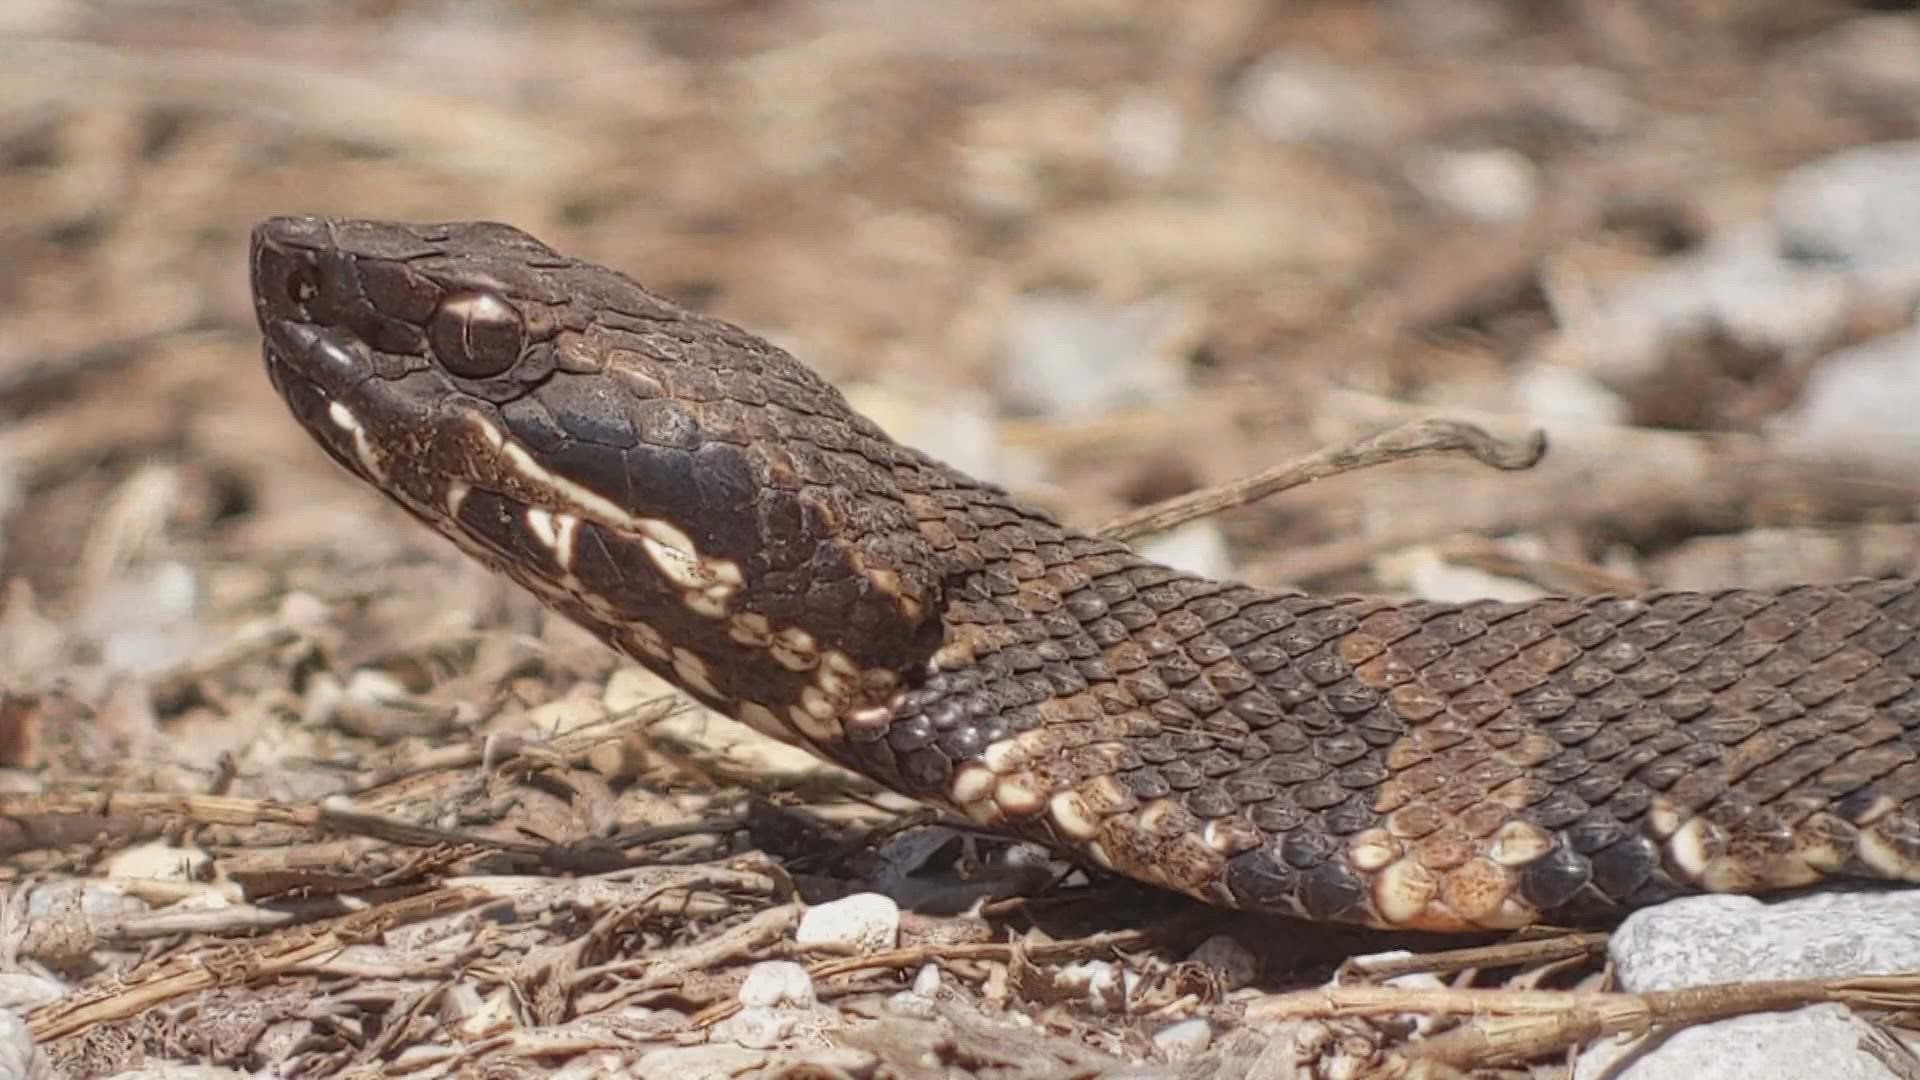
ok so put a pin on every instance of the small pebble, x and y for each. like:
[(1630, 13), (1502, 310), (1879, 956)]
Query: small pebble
[(304, 610), (1495, 185), (863, 921), (1146, 134), (1198, 547), (159, 862), (1303, 96), (1855, 208), (1067, 355), (777, 982), (1188, 1038), (23, 991), (926, 981), (18, 1054), (1104, 985)]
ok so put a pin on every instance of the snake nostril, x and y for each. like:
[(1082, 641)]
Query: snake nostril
[(302, 285)]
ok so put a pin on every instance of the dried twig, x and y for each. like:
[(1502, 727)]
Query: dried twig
[(1504, 954), (234, 965), (1517, 1026), (1421, 437)]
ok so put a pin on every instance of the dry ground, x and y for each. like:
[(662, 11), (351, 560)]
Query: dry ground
[(372, 809)]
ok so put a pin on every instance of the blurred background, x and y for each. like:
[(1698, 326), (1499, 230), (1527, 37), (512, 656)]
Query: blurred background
[(1101, 251)]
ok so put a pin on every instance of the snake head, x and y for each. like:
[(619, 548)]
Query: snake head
[(380, 336), (684, 489)]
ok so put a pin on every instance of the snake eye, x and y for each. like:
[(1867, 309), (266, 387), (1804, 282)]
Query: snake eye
[(476, 335)]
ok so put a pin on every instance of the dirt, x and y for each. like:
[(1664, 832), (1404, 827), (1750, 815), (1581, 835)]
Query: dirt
[(288, 783)]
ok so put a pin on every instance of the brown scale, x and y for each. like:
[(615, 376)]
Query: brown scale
[(1417, 765)]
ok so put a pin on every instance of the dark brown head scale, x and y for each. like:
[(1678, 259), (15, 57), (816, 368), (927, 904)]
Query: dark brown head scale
[(397, 301)]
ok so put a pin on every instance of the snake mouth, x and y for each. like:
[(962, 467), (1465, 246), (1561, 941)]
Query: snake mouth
[(330, 422)]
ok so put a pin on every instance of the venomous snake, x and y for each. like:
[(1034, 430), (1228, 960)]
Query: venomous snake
[(709, 506)]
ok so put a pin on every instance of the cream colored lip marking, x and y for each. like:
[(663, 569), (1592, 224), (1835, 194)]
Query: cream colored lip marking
[(589, 504), (679, 558), (363, 450), (677, 565), (707, 584), (540, 523), (555, 531)]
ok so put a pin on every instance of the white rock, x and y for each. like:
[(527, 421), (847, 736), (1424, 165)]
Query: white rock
[(1496, 185), (759, 1029), (146, 621), (777, 982), (159, 862), (1552, 394), (19, 1056), (958, 427), (1299, 96), (1146, 134), (1695, 941), (1739, 283), (22, 991), (908, 1003), (863, 921), (304, 610), (926, 981), (1188, 1038), (1426, 573), (1698, 940), (1104, 985), (1856, 208), (1859, 404), (1823, 1041), (1198, 547), (1073, 356)]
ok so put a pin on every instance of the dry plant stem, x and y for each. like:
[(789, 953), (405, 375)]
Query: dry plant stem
[(738, 942), (917, 955), (1516, 1026), (235, 965), (571, 748), (1414, 439), (31, 822), (1504, 954)]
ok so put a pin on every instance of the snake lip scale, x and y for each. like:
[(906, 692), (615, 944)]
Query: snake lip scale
[(709, 506)]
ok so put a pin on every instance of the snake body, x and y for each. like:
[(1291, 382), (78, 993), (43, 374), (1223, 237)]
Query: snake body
[(709, 506)]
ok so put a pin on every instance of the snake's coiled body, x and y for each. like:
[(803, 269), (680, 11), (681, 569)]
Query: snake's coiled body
[(710, 507)]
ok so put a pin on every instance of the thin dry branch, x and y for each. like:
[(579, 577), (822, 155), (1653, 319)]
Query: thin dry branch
[(915, 956), (1415, 439), (235, 965), (1512, 1027), (1504, 954)]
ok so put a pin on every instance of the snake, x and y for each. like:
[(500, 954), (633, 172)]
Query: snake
[(710, 507)]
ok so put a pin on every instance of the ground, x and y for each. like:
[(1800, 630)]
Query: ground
[(372, 809)]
